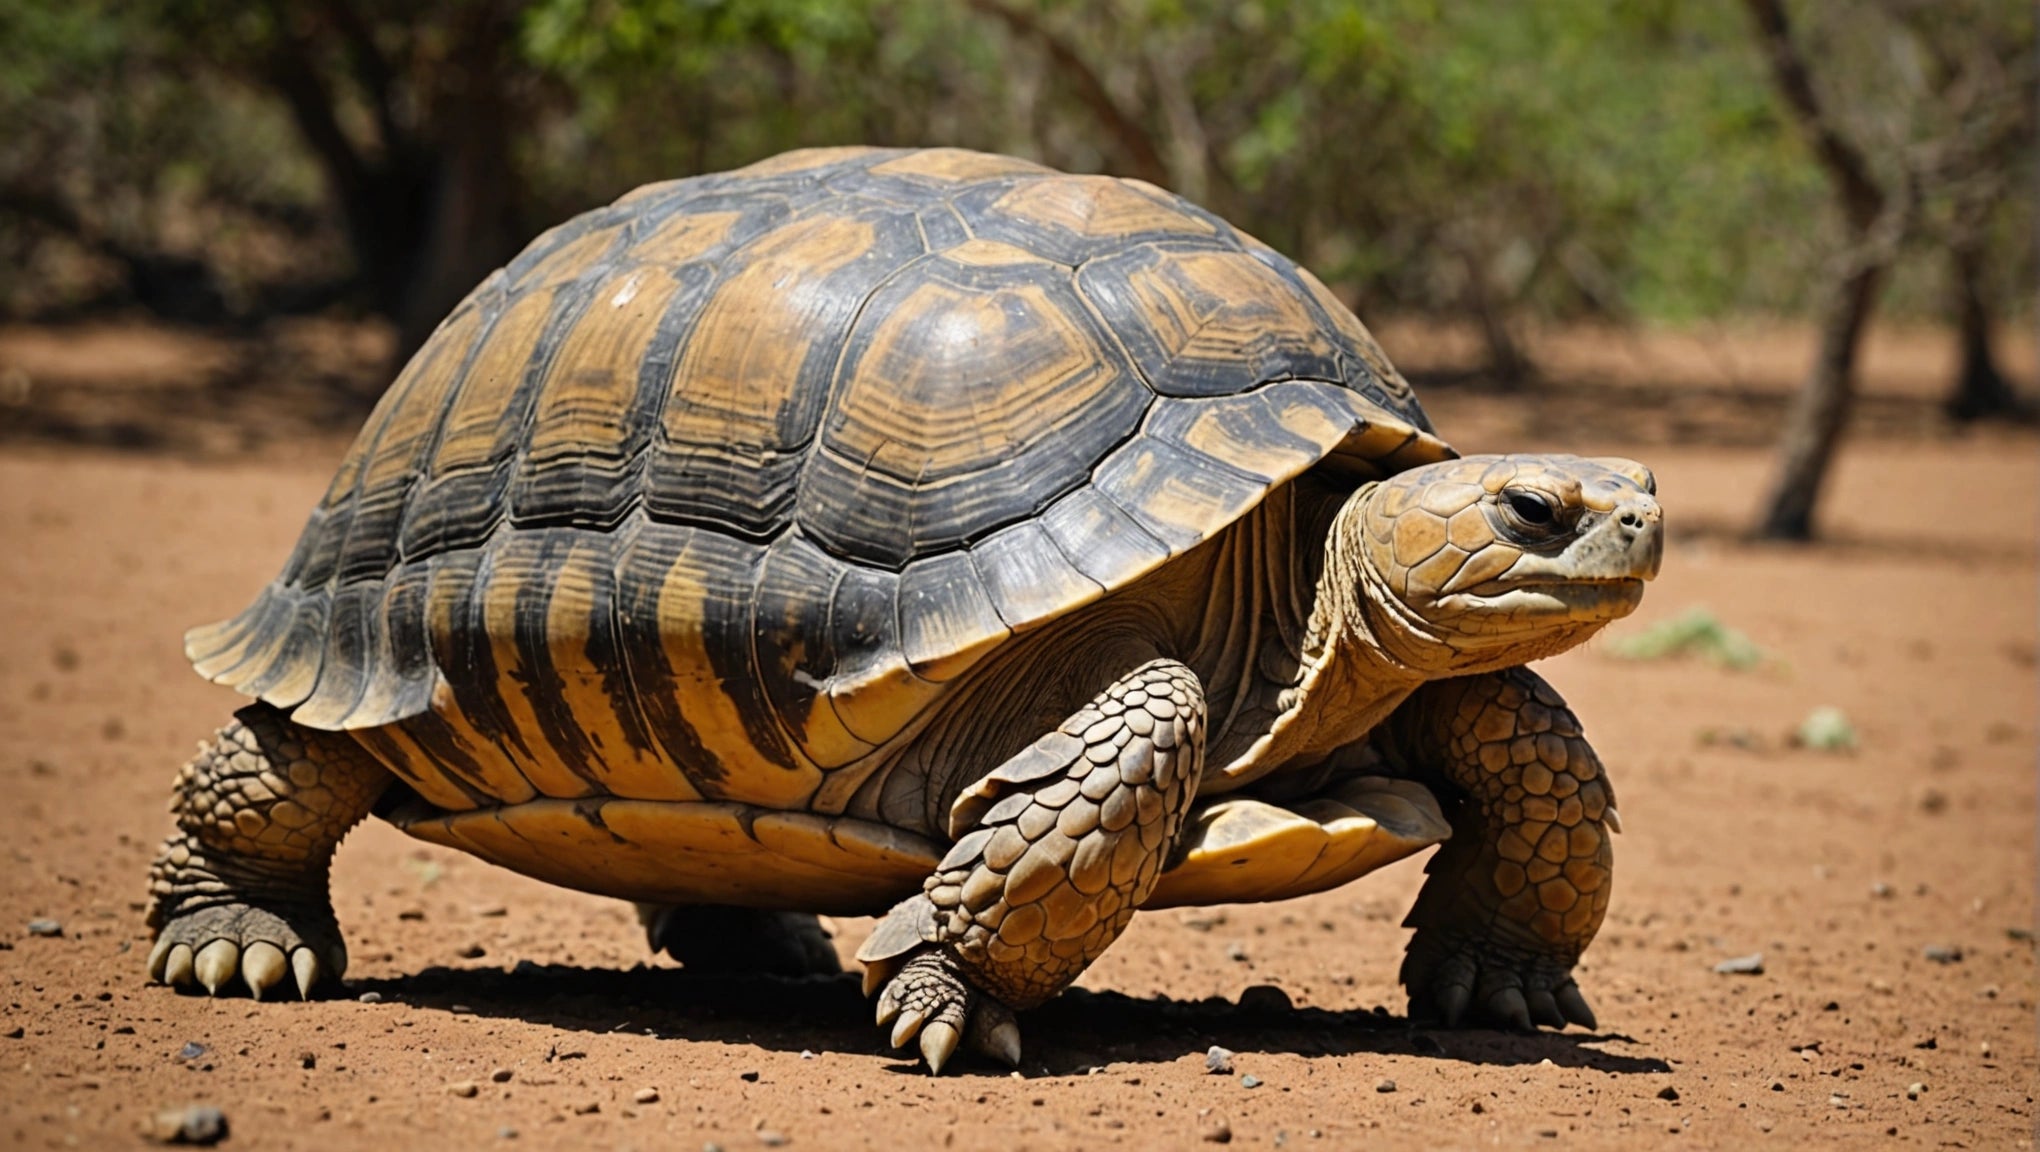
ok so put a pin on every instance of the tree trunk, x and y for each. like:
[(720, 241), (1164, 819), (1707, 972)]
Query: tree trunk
[(1980, 391), (468, 222), (1821, 407)]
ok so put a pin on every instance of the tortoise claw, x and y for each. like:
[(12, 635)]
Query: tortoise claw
[(216, 964), (159, 956), (177, 967), (906, 1026), (1452, 1001), (1574, 1005), (304, 965), (1507, 1005), (1544, 1010), (938, 1044), (263, 966)]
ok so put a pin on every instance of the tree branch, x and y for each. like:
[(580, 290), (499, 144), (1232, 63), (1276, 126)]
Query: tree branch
[(1133, 140), (1862, 199)]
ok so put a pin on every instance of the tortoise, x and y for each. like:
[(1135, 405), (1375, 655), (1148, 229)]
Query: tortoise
[(932, 535)]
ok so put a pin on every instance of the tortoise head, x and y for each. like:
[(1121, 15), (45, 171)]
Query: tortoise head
[(1490, 561)]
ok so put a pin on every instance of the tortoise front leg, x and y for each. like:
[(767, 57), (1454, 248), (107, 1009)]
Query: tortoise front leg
[(1055, 850), (240, 886), (1519, 890)]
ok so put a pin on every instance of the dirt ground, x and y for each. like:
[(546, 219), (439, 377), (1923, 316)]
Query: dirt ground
[(1889, 889)]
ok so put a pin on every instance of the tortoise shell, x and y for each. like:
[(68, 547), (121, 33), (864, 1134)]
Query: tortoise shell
[(710, 492)]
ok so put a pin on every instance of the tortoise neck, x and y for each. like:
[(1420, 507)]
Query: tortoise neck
[(1354, 666)]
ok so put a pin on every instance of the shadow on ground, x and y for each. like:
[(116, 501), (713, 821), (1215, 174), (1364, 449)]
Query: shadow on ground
[(1068, 1036)]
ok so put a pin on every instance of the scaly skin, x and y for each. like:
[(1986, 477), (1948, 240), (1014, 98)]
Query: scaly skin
[(1519, 890), (1059, 846), (240, 888)]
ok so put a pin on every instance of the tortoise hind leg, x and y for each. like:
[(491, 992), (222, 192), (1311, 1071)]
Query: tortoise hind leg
[(1054, 851), (241, 886), (716, 938)]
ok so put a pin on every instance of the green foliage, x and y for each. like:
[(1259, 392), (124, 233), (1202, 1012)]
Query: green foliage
[(1694, 632), (1559, 158)]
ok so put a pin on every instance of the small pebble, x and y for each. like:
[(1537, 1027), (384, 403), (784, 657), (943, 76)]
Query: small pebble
[(1668, 1093), (370, 998), (501, 1075), (805, 1054), (1750, 965), (192, 1050), (770, 1138), (587, 1107), (308, 1059), (200, 1124), (1478, 1108), (1984, 1049), (1915, 1090), (45, 928), (1216, 1132), (1235, 951), (1883, 891), (506, 1133), (1942, 953), (1250, 1081), (750, 1077), (465, 1089), (472, 952), (1218, 1061), (1385, 1086), (645, 1096)]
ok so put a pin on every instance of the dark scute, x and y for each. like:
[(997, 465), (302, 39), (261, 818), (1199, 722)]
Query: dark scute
[(353, 637), (530, 561), (1029, 577), (914, 495), (467, 657), (796, 651), (1100, 538), (654, 552), (1179, 498), (1239, 338), (863, 634), (457, 510), (598, 488), (1354, 371), (749, 487), (943, 605), (296, 660)]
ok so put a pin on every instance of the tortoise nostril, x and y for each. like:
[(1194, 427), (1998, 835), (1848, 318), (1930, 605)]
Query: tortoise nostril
[(1632, 521)]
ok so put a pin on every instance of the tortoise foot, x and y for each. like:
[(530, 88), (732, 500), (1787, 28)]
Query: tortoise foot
[(270, 951), (931, 998), (740, 941), (1466, 981)]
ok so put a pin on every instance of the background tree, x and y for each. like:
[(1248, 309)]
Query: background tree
[(1500, 166)]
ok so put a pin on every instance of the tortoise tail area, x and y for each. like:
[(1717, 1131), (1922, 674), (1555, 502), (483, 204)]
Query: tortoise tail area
[(355, 657)]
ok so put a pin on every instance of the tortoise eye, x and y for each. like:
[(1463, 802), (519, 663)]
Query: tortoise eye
[(1530, 507)]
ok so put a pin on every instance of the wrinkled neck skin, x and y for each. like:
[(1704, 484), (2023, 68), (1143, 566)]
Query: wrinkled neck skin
[(1363, 654)]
